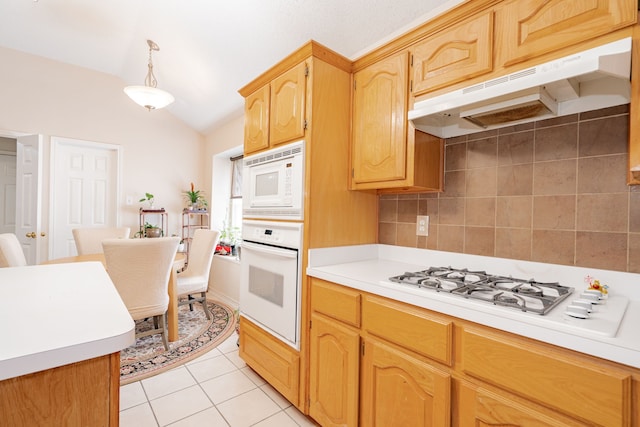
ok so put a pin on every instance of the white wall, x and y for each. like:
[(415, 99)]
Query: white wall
[(221, 144), (161, 154)]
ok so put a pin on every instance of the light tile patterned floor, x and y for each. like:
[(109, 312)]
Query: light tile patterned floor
[(217, 389)]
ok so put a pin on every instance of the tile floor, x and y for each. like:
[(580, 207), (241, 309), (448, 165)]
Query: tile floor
[(216, 389)]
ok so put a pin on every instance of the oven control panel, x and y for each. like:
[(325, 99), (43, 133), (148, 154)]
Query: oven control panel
[(284, 234)]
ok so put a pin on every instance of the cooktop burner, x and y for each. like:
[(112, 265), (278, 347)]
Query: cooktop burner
[(525, 295)]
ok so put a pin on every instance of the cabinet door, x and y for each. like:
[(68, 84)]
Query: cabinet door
[(479, 407), (287, 105), (531, 28), (272, 359), (333, 365), (456, 54), (256, 121), (380, 121), (400, 390)]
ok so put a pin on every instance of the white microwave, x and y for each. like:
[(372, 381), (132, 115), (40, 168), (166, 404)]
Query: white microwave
[(273, 183)]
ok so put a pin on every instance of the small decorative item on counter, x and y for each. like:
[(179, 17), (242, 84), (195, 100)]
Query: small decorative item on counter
[(595, 285)]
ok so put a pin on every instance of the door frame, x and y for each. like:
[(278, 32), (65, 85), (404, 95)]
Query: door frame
[(55, 143)]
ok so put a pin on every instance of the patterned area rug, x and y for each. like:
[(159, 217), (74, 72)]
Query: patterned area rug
[(197, 335)]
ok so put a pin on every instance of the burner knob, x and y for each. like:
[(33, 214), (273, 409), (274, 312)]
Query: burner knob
[(577, 311), (588, 296), (586, 304)]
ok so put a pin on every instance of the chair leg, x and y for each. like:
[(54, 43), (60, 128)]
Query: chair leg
[(189, 297), (204, 305), (165, 336)]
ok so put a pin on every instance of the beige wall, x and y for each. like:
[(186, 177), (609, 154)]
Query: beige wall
[(554, 191), (161, 154)]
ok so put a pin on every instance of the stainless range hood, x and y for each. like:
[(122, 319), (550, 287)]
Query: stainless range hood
[(589, 80)]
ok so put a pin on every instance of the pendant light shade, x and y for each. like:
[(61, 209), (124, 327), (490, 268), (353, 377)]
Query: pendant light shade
[(149, 96)]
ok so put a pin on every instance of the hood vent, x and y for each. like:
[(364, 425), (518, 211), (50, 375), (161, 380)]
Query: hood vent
[(593, 79)]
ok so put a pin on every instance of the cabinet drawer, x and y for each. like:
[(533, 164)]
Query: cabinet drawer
[(409, 327), (571, 385), (335, 301), (275, 361)]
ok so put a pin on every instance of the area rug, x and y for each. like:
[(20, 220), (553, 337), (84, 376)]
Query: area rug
[(196, 336)]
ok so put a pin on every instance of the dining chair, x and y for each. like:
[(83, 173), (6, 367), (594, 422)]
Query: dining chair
[(11, 253), (89, 240), (194, 278), (140, 270)]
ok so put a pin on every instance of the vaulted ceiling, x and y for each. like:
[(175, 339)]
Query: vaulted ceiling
[(208, 48)]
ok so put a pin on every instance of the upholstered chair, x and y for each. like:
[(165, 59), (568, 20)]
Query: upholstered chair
[(89, 240), (11, 253), (194, 279), (140, 270)]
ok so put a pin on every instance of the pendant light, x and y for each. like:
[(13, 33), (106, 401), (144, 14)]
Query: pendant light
[(149, 96)]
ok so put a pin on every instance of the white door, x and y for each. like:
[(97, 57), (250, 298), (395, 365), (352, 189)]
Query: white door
[(7, 193), (28, 196), (85, 188)]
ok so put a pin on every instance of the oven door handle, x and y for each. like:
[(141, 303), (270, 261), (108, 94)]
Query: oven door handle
[(287, 253)]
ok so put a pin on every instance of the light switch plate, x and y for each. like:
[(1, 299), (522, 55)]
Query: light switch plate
[(422, 225)]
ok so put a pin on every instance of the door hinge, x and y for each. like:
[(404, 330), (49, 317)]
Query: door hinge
[(305, 124), (353, 173), (362, 346), (411, 86), (306, 71), (411, 61), (354, 84), (310, 323)]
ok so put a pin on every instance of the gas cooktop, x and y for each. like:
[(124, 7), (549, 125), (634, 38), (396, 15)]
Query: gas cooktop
[(520, 294)]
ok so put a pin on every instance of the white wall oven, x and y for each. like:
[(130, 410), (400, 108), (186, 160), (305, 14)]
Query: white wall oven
[(271, 277), (273, 183)]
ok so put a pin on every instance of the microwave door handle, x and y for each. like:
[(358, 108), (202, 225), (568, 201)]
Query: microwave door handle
[(286, 253)]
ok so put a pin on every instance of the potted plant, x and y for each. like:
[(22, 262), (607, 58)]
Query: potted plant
[(195, 198), (150, 230), (228, 240), (148, 197)]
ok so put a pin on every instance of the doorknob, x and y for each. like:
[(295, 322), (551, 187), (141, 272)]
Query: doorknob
[(43, 234), (31, 235)]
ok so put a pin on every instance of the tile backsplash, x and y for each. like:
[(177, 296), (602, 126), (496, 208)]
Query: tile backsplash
[(550, 191)]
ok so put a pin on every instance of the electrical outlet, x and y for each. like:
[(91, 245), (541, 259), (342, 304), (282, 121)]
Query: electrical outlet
[(422, 225)]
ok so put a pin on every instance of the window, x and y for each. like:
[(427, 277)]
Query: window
[(235, 203)]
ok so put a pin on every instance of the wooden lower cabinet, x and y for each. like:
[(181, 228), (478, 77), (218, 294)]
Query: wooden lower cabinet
[(379, 362), (333, 380), (273, 360), (401, 390), (477, 406), (80, 394)]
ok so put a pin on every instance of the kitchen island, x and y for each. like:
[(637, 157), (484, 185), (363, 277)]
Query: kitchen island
[(478, 362), (62, 329)]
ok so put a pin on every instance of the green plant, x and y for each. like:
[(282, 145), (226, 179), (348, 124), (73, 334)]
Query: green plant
[(194, 196), (229, 234), (148, 197)]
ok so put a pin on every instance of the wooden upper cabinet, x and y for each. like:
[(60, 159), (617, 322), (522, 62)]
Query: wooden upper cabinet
[(256, 120), (530, 28), (458, 53), (275, 113), (287, 121), (380, 121)]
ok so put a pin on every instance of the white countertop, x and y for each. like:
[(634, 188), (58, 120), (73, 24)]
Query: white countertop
[(53, 315), (367, 268)]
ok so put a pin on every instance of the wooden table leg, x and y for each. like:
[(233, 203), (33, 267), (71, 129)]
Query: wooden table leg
[(172, 311)]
